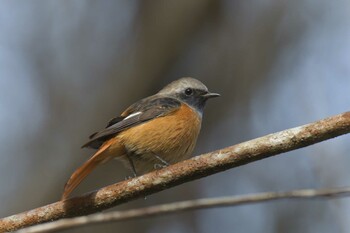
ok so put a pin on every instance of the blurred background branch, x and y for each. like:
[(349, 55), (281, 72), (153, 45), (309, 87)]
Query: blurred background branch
[(185, 206)]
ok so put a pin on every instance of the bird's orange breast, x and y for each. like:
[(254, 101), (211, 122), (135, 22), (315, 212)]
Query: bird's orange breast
[(171, 137)]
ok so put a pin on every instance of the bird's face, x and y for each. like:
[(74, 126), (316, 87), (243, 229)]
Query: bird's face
[(190, 91)]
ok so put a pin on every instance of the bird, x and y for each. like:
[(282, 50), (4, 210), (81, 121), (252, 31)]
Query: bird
[(152, 133)]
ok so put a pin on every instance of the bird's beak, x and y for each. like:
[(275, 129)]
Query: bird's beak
[(210, 95)]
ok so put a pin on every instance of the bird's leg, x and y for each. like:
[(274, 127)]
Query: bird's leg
[(164, 163), (132, 165)]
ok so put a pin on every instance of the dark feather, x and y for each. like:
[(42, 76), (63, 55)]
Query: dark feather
[(114, 120), (150, 108)]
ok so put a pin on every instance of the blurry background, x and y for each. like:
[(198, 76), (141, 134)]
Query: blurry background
[(67, 67)]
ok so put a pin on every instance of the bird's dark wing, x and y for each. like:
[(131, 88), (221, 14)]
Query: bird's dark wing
[(138, 113), (114, 120)]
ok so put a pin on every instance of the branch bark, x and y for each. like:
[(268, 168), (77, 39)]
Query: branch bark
[(185, 171), (185, 206)]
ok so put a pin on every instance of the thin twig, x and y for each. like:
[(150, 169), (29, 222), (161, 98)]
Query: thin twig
[(185, 206), (185, 171)]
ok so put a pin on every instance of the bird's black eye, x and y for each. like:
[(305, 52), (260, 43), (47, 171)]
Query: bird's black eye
[(189, 91)]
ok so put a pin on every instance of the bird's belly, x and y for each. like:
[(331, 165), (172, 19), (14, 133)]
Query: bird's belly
[(172, 137)]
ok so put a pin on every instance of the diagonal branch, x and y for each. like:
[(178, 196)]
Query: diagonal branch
[(185, 171), (185, 206)]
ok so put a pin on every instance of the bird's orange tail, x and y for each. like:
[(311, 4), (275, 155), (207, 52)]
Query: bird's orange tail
[(101, 156)]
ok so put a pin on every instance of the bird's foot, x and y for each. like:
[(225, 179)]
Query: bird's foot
[(164, 163)]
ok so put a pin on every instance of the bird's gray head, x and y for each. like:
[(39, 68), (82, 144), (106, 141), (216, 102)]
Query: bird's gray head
[(189, 90)]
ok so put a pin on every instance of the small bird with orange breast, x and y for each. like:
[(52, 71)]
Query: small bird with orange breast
[(160, 129)]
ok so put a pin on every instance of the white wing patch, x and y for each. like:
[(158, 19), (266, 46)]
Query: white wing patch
[(132, 115)]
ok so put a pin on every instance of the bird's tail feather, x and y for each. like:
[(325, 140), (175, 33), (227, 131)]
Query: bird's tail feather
[(101, 156)]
